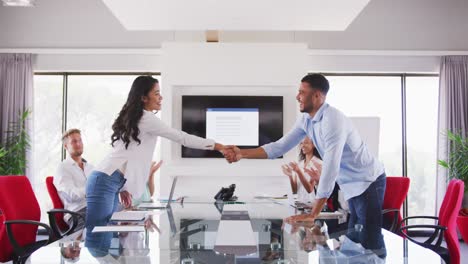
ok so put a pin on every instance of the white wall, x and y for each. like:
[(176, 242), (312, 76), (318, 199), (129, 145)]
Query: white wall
[(81, 60), (97, 62), (378, 63)]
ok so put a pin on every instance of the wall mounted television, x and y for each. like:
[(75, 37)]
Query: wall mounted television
[(245, 121)]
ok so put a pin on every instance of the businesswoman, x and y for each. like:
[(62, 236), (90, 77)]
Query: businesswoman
[(304, 178), (125, 169), (309, 159)]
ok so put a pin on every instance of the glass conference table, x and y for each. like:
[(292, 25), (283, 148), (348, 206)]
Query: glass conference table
[(205, 232)]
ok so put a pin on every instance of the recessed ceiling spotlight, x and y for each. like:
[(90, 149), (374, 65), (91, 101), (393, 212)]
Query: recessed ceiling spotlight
[(25, 3)]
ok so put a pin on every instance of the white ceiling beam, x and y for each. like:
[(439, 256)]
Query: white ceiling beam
[(283, 15)]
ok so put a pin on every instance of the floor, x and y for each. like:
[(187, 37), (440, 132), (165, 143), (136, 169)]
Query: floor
[(463, 249)]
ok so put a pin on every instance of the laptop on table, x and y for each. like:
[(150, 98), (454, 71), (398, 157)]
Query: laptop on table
[(159, 205)]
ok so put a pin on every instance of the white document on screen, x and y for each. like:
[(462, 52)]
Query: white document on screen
[(233, 126)]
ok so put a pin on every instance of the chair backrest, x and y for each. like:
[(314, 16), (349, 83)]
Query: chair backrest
[(17, 202), (448, 194), (56, 202), (395, 194), (448, 217)]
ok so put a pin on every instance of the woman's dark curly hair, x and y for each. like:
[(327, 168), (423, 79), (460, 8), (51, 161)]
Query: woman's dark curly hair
[(126, 124), (315, 153)]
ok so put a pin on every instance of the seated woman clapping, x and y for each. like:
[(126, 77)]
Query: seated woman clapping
[(305, 175)]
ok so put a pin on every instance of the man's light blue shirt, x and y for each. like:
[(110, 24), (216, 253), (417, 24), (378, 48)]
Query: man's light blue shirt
[(345, 156)]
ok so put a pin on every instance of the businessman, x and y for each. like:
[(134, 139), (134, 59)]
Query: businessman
[(71, 175), (346, 160)]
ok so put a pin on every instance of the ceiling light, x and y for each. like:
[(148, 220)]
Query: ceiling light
[(26, 3)]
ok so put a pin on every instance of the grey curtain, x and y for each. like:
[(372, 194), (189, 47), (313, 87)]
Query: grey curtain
[(453, 109), (16, 91)]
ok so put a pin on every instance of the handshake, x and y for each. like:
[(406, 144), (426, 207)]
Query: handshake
[(231, 153)]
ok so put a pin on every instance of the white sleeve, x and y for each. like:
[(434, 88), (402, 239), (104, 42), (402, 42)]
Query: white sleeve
[(152, 124), (68, 192)]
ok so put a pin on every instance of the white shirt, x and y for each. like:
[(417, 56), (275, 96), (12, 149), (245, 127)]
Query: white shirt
[(302, 194), (70, 181), (136, 159), (309, 198)]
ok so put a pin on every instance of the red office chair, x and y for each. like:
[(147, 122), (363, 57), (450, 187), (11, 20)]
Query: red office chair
[(58, 225), (395, 194), (21, 215), (446, 226)]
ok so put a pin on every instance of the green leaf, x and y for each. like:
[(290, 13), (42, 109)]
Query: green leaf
[(457, 162), (443, 163), (17, 143)]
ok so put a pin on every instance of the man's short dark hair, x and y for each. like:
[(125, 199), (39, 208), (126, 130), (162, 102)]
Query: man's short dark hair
[(317, 81)]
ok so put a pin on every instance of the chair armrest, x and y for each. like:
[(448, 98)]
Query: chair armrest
[(405, 220), (395, 223), (53, 223), (17, 248), (419, 217), (390, 210), (438, 233)]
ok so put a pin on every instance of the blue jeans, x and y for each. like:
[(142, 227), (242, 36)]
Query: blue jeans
[(102, 198), (366, 210)]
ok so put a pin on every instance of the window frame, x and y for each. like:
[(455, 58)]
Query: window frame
[(65, 76), (404, 143)]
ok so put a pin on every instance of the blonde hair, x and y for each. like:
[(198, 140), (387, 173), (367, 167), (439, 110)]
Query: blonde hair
[(70, 132)]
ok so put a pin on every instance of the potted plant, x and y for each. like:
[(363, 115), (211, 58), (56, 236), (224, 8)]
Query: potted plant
[(457, 167), (2, 152), (13, 150)]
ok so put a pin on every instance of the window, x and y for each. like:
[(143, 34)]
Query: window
[(46, 139), (373, 96), (382, 96), (421, 119), (91, 104)]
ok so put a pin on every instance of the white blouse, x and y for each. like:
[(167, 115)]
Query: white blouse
[(309, 198), (302, 194), (135, 161)]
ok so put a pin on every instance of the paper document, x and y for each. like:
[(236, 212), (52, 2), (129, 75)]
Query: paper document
[(330, 215), (128, 216), (119, 228), (152, 205), (155, 213), (267, 196)]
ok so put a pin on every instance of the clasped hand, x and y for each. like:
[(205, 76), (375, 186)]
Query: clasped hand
[(231, 153)]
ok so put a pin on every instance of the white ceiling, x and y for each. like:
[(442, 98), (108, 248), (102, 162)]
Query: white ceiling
[(282, 15), (382, 25)]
